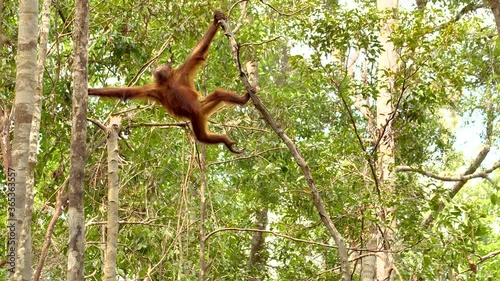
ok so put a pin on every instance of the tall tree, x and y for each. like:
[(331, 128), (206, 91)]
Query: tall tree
[(256, 260), (113, 188), (385, 128), (37, 112), (26, 82), (78, 143)]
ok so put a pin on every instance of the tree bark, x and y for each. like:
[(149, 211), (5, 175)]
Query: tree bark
[(37, 113), (495, 8), (61, 200), (203, 210), (113, 188), (256, 259), (381, 236), (23, 115), (78, 156)]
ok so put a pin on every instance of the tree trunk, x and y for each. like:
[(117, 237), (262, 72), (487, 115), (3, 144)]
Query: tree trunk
[(203, 211), (369, 263), (23, 115), (113, 188), (381, 236), (78, 144), (37, 111), (2, 37), (256, 261), (495, 8)]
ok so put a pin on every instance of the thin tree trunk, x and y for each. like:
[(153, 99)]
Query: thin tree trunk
[(113, 188), (5, 119), (381, 236), (78, 157), (23, 115), (2, 37), (61, 200), (203, 200), (495, 8), (256, 259), (203, 209), (37, 112), (369, 263)]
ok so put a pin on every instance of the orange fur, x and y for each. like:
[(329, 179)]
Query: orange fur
[(174, 90)]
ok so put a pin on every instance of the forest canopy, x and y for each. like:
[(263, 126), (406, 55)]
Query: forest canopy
[(372, 147)]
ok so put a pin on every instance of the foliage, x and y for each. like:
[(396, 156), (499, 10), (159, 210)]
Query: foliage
[(310, 84)]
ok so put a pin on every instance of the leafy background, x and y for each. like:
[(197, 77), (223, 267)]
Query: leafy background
[(449, 71)]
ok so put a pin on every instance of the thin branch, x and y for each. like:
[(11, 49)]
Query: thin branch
[(483, 259), (357, 258), (465, 177), (260, 43), (318, 202), (356, 132), (467, 9), (62, 200), (239, 127), (123, 222), (488, 256), (277, 234), (155, 58), (176, 124), (394, 112), (239, 23), (133, 108), (232, 7), (471, 169), (97, 123), (283, 13), (244, 157)]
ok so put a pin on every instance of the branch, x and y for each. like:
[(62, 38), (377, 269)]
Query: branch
[(282, 13), (260, 43), (62, 200), (147, 222), (277, 234), (464, 178), (488, 256), (472, 167), (338, 86), (483, 259), (467, 9), (239, 23), (339, 240), (176, 124), (132, 108), (156, 57), (244, 157), (222, 125), (97, 123)]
